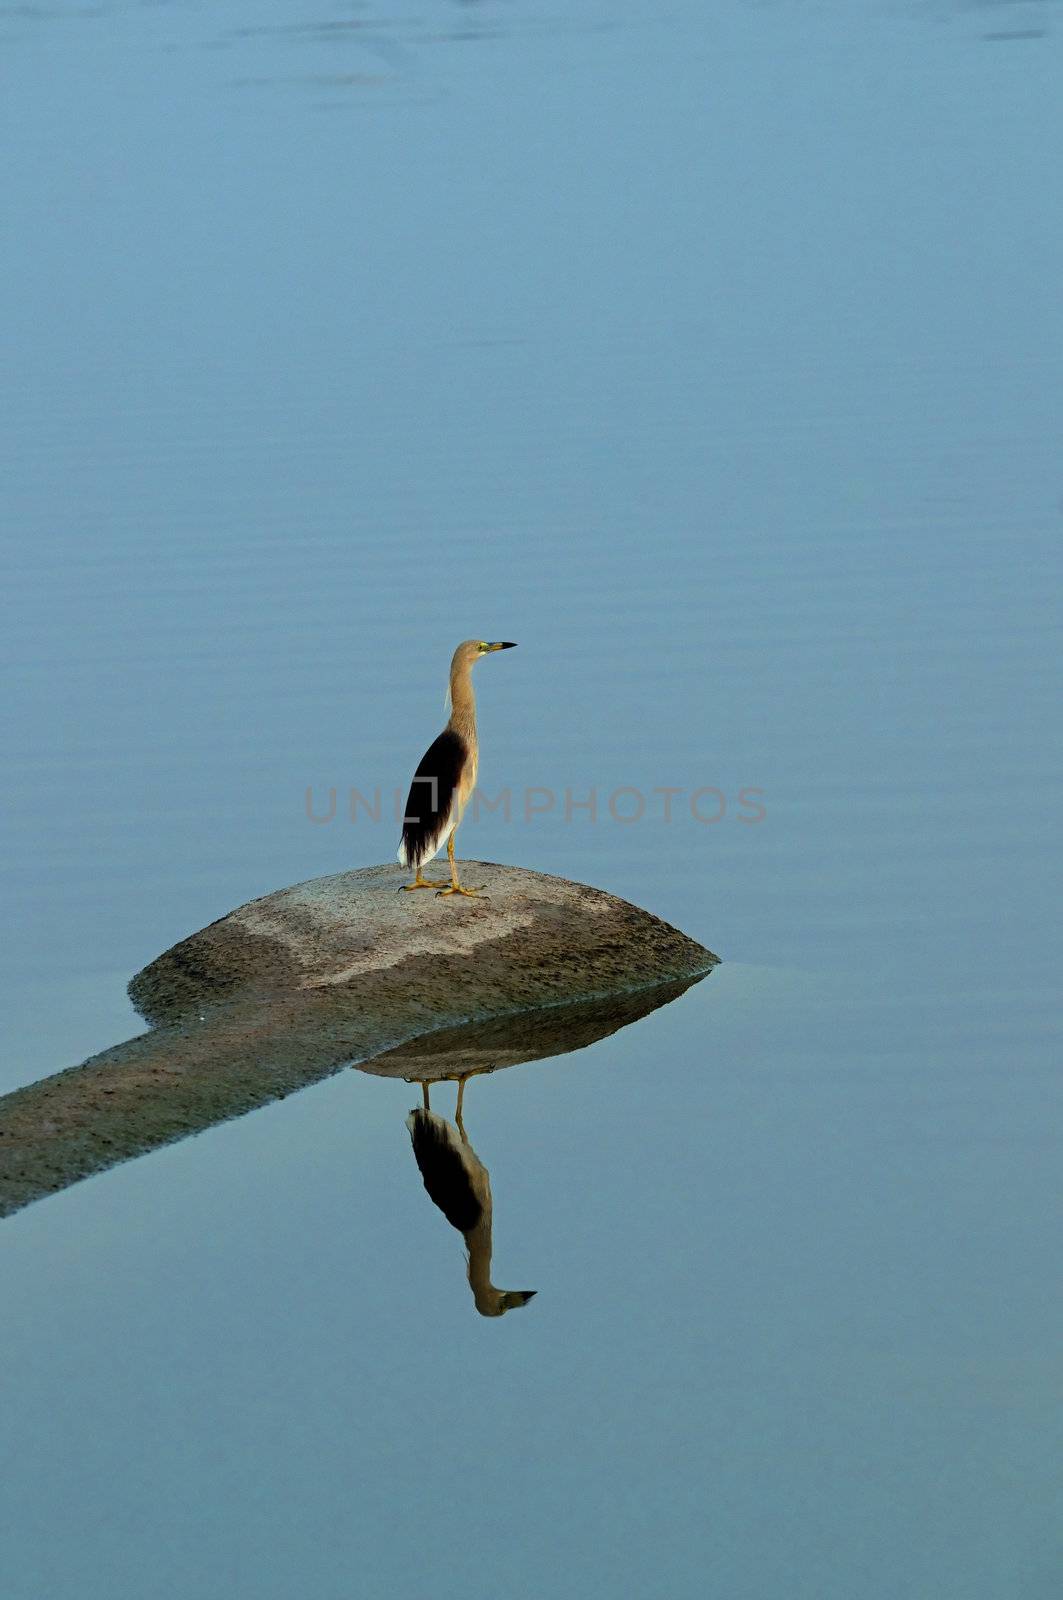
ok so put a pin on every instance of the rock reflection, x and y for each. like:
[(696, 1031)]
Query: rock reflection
[(517, 1036)]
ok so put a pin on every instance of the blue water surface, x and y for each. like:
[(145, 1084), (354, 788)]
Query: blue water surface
[(712, 353)]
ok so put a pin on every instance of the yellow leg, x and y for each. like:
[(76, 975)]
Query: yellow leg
[(455, 886), (424, 1091), (422, 883)]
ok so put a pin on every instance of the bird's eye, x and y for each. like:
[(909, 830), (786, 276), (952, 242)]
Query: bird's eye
[(482, 645)]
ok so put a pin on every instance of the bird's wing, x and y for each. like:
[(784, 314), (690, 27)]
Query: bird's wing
[(432, 798), (440, 1156)]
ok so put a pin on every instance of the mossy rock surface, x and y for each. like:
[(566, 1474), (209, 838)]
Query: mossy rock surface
[(428, 960)]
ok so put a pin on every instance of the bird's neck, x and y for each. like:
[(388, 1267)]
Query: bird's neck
[(478, 1244), (463, 701)]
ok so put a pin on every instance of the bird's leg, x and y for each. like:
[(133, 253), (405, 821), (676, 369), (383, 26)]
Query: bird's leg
[(422, 883), (424, 1091), (455, 886), (461, 1082)]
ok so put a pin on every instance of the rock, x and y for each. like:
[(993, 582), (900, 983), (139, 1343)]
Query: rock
[(421, 960)]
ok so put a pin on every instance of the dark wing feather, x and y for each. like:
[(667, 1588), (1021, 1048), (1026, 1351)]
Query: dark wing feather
[(445, 1175), (432, 795)]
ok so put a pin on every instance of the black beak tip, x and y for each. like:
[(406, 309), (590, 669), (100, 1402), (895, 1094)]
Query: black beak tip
[(507, 644)]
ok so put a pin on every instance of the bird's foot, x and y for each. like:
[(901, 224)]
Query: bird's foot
[(423, 883), (456, 888)]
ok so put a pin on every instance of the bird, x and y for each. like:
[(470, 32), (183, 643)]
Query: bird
[(446, 777), (458, 1183)]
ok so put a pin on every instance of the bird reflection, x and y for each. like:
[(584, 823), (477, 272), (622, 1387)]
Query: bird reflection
[(459, 1184)]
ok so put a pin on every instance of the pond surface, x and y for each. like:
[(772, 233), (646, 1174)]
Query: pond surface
[(715, 355)]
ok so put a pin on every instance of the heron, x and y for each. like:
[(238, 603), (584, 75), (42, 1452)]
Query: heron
[(459, 1184), (446, 777)]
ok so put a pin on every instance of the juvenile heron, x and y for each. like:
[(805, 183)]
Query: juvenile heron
[(458, 1183), (446, 776)]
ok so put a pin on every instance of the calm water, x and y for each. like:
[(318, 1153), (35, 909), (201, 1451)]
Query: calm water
[(716, 356)]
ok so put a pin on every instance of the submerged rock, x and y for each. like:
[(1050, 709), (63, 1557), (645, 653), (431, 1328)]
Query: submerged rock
[(345, 971)]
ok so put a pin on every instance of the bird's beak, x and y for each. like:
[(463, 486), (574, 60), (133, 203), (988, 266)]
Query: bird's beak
[(503, 644)]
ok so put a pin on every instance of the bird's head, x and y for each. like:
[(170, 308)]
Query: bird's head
[(472, 649), (517, 1297), (498, 1301)]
